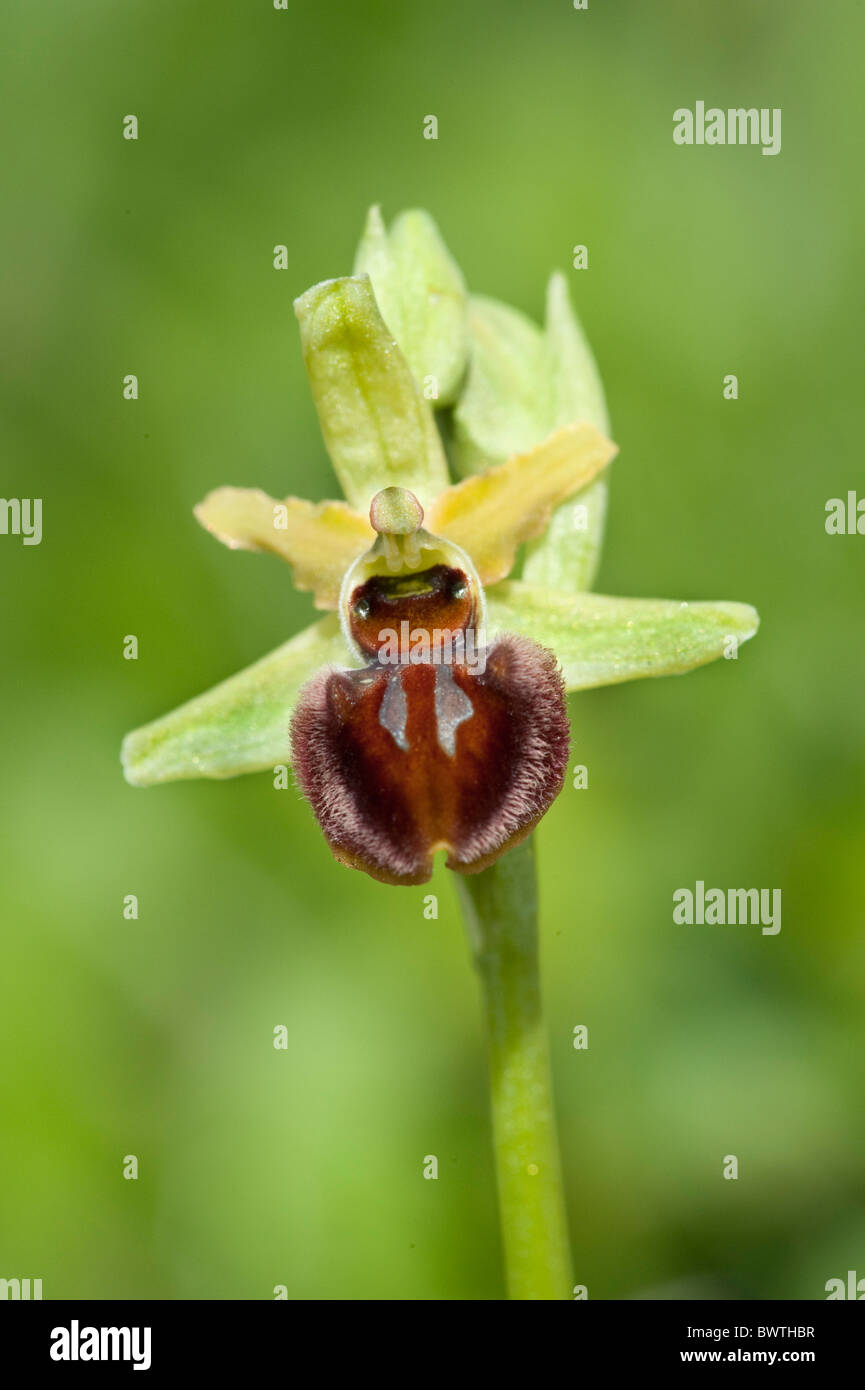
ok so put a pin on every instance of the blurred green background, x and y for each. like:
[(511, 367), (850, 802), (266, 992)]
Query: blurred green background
[(304, 1167)]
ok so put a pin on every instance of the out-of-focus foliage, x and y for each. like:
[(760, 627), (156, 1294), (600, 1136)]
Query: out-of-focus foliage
[(154, 1036)]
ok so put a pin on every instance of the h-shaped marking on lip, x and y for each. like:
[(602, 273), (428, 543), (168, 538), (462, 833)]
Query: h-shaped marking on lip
[(452, 708)]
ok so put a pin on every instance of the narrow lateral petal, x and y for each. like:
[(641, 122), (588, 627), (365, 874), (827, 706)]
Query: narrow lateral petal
[(319, 540), (491, 513), (602, 641), (239, 726)]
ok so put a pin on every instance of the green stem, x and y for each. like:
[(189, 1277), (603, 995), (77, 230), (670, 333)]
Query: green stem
[(500, 907)]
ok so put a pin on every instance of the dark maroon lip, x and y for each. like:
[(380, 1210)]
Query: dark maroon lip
[(398, 763)]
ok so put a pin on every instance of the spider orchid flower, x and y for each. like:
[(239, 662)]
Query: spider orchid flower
[(426, 711)]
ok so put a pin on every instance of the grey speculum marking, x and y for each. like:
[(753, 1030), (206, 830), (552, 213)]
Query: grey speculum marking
[(452, 706), (393, 713)]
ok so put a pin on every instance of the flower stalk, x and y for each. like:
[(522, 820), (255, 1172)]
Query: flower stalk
[(500, 908), (400, 760)]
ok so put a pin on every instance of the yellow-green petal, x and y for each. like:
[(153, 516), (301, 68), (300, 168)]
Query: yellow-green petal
[(378, 429), (491, 513), (319, 540), (602, 641), (239, 726), (422, 297)]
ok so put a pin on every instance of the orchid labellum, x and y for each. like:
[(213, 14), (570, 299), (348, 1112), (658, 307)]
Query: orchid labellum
[(436, 741)]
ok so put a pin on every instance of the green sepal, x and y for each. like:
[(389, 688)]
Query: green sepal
[(603, 641), (239, 726), (378, 429), (505, 406), (566, 558), (422, 297)]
